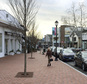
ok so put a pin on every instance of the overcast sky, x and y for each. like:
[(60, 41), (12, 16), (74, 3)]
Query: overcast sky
[(49, 12)]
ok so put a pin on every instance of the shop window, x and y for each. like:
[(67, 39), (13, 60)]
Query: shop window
[(0, 42)]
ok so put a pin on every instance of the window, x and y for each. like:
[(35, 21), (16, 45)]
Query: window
[(74, 38), (11, 44), (67, 39), (0, 42)]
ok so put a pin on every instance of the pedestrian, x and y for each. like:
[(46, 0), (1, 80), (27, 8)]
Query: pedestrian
[(49, 54), (43, 51)]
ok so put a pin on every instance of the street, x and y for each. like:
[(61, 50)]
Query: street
[(71, 63)]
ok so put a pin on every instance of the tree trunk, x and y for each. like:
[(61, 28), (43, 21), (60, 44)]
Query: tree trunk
[(25, 62)]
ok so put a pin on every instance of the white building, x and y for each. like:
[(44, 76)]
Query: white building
[(10, 32), (47, 40), (84, 39), (78, 42)]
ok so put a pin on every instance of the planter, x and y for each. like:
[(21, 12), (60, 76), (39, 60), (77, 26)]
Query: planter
[(18, 52), (11, 53)]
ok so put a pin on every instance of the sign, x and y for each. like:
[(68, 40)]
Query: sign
[(53, 31)]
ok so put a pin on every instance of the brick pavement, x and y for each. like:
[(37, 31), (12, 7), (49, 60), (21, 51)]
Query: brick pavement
[(58, 73)]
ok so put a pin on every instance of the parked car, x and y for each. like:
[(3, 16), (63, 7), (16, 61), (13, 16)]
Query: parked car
[(73, 49), (78, 49), (81, 59), (58, 51), (66, 55)]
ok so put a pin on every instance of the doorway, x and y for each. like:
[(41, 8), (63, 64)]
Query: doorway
[(6, 46)]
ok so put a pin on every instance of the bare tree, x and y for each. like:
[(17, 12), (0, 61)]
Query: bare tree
[(24, 11), (76, 17), (71, 18), (34, 36), (82, 19), (82, 15)]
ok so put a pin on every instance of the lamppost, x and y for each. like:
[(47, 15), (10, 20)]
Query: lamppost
[(56, 23)]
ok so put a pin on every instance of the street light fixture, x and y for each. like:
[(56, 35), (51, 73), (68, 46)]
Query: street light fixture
[(56, 24)]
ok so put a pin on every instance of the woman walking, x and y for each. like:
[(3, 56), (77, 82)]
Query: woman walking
[(49, 54)]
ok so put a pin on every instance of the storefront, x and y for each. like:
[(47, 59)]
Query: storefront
[(10, 35), (9, 42), (1, 43)]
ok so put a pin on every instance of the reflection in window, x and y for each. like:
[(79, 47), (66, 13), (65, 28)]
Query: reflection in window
[(0, 42)]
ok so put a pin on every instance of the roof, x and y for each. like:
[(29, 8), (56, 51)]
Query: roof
[(66, 26), (8, 19)]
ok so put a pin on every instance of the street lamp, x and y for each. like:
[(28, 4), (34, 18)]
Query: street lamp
[(56, 23)]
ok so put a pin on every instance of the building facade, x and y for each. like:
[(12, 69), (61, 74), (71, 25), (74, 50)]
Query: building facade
[(65, 31), (84, 38), (47, 40), (79, 40), (10, 34)]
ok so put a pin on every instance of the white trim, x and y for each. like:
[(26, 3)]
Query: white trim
[(74, 69), (2, 53)]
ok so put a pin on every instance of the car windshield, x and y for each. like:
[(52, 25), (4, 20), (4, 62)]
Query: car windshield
[(68, 51), (84, 54)]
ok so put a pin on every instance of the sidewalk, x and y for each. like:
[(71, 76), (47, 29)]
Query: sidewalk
[(58, 73)]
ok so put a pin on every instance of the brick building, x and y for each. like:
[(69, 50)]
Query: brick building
[(65, 31)]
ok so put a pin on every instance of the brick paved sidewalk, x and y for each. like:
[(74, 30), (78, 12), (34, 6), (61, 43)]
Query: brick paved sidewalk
[(58, 73)]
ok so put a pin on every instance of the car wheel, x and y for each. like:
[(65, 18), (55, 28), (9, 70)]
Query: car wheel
[(83, 67), (75, 63)]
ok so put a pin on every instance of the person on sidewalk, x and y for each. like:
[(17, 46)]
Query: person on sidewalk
[(49, 54), (43, 50)]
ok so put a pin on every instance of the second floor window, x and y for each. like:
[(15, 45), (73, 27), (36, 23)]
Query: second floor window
[(74, 38)]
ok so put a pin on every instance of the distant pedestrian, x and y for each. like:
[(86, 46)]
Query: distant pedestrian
[(43, 51), (49, 54)]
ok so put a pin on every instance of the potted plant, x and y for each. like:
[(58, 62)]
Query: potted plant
[(18, 51), (11, 52)]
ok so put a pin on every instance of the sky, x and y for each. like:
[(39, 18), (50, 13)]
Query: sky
[(49, 12)]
